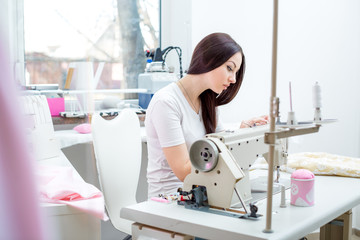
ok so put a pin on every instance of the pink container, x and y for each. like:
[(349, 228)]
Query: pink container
[(56, 106), (302, 188)]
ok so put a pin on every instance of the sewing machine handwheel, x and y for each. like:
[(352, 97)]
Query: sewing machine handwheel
[(204, 155)]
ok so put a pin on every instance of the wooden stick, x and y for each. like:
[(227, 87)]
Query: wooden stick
[(69, 78)]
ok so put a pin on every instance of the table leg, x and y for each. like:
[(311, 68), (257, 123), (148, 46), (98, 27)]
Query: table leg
[(339, 227)]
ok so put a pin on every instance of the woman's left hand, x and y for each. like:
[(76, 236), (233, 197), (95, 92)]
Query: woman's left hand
[(256, 121)]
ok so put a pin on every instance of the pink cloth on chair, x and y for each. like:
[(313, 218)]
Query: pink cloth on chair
[(61, 185)]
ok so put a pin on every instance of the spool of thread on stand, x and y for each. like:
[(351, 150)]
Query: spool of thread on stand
[(316, 90), (291, 120)]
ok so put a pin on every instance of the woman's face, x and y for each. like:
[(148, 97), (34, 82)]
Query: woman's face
[(225, 74)]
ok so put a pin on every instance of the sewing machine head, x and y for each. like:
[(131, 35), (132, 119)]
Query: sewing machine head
[(213, 167), (247, 145), (221, 162)]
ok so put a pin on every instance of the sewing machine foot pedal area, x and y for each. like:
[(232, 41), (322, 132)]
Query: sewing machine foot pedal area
[(196, 199)]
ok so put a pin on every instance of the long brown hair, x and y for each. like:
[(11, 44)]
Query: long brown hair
[(211, 52)]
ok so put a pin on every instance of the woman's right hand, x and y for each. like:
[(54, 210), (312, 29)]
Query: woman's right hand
[(256, 121)]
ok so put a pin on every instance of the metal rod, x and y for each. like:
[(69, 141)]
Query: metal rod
[(241, 201), (272, 121), (271, 137), (291, 109)]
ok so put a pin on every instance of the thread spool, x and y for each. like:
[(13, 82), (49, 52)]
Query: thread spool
[(291, 120), (283, 199), (316, 90), (316, 95)]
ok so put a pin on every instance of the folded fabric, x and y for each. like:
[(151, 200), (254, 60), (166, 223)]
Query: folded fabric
[(59, 184), (319, 163), (324, 164)]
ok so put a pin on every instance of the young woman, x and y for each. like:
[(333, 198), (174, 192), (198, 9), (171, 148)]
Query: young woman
[(183, 112)]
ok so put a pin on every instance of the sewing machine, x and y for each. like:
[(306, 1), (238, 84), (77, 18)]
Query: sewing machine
[(221, 163)]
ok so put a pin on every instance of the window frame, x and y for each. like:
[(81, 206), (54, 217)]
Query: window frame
[(19, 41)]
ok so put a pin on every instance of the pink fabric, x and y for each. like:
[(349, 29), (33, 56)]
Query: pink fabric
[(60, 185), (20, 216), (83, 128)]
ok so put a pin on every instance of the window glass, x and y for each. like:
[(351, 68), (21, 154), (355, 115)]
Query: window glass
[(57, 33)]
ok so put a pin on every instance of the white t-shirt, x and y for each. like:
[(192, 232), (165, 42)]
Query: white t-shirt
[(170, 121)]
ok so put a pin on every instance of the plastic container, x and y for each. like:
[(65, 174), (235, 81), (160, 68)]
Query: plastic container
[(56, 106), (302, 188)]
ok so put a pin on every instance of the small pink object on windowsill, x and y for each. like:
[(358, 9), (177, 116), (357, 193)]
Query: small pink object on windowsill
[(83, 128), (302, 188)]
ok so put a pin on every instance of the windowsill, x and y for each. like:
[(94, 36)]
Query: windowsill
[(71, 121)]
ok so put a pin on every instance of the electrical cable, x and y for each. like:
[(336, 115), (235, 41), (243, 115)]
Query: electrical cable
[(178, 50)]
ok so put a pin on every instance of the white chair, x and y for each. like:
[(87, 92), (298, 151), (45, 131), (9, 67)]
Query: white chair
[(117, 146)]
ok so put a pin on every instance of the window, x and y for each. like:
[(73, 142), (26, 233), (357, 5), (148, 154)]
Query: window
[(116, 32)]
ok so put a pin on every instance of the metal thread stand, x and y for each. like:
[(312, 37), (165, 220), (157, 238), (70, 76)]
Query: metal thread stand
[(273, 134)]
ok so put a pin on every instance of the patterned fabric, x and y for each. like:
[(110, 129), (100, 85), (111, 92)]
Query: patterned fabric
[(324, 164)]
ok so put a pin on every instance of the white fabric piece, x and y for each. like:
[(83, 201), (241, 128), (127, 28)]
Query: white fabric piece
[(170, 121)]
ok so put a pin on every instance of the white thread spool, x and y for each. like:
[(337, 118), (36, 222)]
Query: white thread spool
[(283, 199), (291, 120), (316, 90)]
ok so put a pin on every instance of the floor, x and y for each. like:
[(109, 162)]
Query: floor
[(316, 236), (108, 232)]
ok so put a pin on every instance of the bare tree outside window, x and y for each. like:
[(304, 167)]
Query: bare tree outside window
[(132, 41), (116, 32)]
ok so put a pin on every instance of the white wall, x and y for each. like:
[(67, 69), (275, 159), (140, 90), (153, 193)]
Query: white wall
[(176, 30), (249, 23), (318, 41)]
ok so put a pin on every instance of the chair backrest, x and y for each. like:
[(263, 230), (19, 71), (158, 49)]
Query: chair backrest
[(41, 129), (117, 146)]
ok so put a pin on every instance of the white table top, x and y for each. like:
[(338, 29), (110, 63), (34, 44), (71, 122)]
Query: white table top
[(333, 197), (68, 138)]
